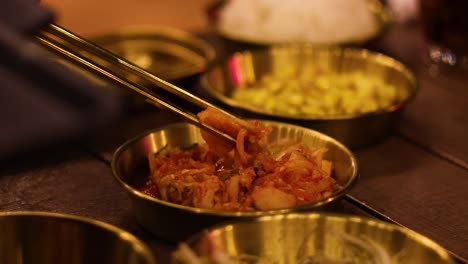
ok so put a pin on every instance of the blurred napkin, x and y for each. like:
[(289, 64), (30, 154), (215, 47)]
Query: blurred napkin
[(43, 102)]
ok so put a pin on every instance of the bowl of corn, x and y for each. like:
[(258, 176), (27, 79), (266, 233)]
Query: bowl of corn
[(354, 95)]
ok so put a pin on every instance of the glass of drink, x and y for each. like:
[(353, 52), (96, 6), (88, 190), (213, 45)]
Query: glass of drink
[(445, 24)]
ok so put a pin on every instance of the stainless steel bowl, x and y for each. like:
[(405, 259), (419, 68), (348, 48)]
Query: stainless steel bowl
[(169, 53), (176, 222), (320, 237), (52, 238), (354, 130), (381, 13)]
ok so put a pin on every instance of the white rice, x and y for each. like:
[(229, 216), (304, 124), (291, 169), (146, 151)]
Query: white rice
[(314, 21)]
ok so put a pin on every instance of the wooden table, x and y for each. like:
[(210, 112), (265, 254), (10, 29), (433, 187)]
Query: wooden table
[(417, 178)]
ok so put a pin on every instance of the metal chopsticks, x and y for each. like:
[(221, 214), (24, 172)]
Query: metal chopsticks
[(70, 45)]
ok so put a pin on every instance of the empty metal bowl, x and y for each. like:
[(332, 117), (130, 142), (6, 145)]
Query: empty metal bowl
[(52, 238), (169, 53), (304, 66), (175, 222), (317, 238)]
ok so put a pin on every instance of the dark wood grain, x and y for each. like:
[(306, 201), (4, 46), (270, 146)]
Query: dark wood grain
[(83, 186), (436, 119), (417, 190)]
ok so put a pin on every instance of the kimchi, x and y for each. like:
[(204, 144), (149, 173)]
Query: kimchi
[(249, 175)]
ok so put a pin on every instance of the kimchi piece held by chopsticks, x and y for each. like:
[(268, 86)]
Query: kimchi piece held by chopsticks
[(252, 175), (250, 136)]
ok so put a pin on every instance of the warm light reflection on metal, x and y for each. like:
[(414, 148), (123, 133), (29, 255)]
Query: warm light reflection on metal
[(230, 240), (249, 69), (241, 69), (19, 255), (156, 142), (235, 70)]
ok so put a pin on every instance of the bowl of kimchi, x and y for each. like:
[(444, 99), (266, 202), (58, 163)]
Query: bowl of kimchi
[(180, 181)]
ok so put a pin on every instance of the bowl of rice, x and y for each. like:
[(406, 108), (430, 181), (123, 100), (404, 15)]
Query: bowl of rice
[(317, 22)]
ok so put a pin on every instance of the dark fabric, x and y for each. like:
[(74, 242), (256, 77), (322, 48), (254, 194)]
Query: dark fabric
[(24, 16), (44, 102)]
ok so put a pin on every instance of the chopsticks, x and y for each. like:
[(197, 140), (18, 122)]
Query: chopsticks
[(89, 55)]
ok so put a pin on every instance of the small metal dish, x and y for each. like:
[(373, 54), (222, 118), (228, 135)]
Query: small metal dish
[(176, 222), (247, 68), (171, 54), (318, 238), (52, 238)]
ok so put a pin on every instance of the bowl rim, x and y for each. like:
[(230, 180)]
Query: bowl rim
[(204, 48), (242, 214), (138, 245), (367, 220), (354, 52)]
